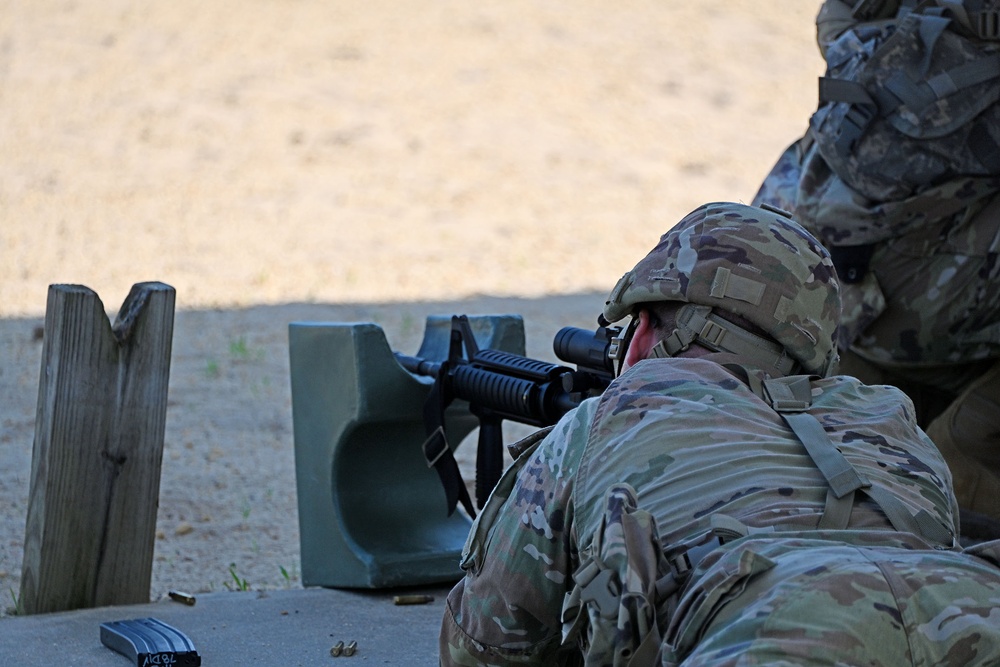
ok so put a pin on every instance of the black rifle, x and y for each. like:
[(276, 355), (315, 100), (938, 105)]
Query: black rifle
[(500, 385)]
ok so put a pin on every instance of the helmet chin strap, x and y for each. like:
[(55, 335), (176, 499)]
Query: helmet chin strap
[(698, 324)]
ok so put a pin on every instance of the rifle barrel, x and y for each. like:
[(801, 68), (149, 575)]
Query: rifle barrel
[(418, 366)]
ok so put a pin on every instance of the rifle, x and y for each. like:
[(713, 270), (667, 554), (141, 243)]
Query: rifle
[(500, 385)]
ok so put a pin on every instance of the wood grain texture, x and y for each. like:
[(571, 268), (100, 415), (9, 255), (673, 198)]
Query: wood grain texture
[(95, 473)]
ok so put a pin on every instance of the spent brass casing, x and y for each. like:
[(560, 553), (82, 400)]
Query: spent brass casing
[(181, 596), (413, 599)]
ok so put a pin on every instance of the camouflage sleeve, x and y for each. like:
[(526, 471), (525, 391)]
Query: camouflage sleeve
[(518, 558)]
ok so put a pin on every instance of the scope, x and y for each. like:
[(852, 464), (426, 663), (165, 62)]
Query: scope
[(586, 348)]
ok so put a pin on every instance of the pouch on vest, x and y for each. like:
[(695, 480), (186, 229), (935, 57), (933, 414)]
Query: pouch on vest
[(720, 578), (614, 612)]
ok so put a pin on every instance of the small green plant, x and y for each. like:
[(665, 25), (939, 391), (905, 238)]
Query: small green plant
[(289, 577), (238, 348), (241, 584), (212, 368), (16, 610)]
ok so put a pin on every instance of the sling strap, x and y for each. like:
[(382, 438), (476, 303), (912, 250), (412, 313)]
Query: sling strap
[(791, 397)]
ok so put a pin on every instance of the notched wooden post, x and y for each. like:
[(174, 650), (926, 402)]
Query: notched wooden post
[(95, 469)]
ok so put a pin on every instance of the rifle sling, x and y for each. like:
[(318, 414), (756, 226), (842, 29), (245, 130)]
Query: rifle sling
[(438, 454)]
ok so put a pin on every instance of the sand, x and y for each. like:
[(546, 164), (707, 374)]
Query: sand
[(312, 160)]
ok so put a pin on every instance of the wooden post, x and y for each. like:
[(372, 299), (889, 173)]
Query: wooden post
[(95, 469)]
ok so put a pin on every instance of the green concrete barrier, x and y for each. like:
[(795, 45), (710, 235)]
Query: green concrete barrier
[(371, 513)]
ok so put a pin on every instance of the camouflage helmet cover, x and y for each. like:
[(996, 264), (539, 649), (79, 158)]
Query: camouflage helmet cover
[(754, 262)]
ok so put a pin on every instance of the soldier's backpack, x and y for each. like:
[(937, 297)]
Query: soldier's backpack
[(911, 102), (907, 133)]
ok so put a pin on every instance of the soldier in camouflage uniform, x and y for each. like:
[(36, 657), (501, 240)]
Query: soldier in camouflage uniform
[(919, 265), (727, 500)]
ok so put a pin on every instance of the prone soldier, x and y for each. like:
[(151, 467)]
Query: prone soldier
[(728, 498)]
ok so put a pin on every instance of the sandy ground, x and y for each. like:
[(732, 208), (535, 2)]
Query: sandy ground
[(318, 160)]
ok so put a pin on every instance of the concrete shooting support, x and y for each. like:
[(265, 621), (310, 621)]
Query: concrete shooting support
[(371, 512)]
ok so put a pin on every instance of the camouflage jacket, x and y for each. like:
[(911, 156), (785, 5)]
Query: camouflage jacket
[(929, 298), (694, 442)]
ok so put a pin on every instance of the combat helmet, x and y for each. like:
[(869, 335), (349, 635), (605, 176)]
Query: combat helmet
[(754, 262)]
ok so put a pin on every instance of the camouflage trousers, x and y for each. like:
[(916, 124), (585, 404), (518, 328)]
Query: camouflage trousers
[(968, 435), (803, 601)]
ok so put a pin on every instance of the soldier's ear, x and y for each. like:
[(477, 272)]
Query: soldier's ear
[(644, 339)]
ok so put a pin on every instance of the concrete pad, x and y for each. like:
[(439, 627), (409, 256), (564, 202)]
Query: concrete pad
[(277, 628)]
